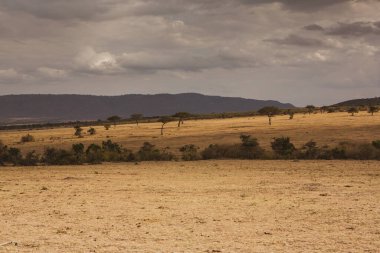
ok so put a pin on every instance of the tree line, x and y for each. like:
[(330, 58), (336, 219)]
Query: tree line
[(248, 148)]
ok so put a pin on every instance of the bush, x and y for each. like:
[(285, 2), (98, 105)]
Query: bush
[(27, 138), (309, 151), (190, 153), (94, 154), (248, 149), (78, 131), (148, 152), (78, 152), (283, 147), (53, 156), (31, 159), (14, 156), (376, 144), (91, 131), (3, 153)]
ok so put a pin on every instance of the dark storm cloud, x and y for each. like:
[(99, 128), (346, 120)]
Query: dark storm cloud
[(355, 29), (300, 5), (296, 40), (313, 27)]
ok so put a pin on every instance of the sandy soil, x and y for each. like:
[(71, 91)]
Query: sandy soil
[(325, 129), (208, 206)]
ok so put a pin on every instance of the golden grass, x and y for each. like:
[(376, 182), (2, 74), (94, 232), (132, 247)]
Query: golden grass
[(325, 129), (204, 206)]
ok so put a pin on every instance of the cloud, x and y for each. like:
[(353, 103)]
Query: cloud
[(355, 29), (296, 40), (12, 76), (98, 63), (52, 73), (300, 5), (313, 27)]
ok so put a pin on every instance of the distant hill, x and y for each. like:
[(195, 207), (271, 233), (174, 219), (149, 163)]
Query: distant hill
[(55, 108), (360, 102)]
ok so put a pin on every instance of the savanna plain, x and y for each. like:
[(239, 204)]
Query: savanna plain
[(200, 206)]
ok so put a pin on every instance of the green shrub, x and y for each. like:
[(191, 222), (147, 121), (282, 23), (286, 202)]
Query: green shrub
[(14, 156), (190, 153), (94, 154), (148, 152), (53, 156), (78, 152), (27, 138), (31, 159), (376, 144), (283, 147)]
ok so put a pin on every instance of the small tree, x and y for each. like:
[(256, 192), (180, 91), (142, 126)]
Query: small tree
[(164, 120), (91, 131), (94, 154), (136, 117), (114, 119), (310, 108), (78, 150), (353, 110), (107, 126), (291, 114), (78, 131), (373, 109), (324, 109), (181, 117), (270, 111)]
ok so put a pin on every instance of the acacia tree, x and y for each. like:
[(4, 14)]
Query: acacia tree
[(114, 119), (136, 117), (373, 109), (353, 110), (164, 120), (310, 108), (270, 111), (181, 117)]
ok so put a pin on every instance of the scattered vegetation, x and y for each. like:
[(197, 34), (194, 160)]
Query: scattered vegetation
[(78, 131), (248, 148), (27, 138), (91, 131)]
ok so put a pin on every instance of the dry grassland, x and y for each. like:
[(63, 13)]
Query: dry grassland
[(325, 129), (205, 206)]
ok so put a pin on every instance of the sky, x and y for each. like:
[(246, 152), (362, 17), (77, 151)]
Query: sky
[(303, 52)]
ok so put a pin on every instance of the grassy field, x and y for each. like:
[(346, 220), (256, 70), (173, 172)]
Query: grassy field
[(325, 129), (205, 206)]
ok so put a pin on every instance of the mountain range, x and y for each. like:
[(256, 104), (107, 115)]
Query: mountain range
[(56, 108)]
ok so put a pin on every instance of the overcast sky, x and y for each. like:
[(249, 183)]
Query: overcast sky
[(303, 52)]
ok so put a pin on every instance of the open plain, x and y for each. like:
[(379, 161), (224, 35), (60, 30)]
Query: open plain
[(325, 129), (204, 206)]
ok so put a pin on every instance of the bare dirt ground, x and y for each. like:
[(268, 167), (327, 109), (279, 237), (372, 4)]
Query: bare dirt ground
[(206, 206)]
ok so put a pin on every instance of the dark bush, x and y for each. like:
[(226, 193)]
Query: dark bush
[(94, 154), (148, 152), (31, 159), (3, 153), (27, 138), (190, 153), (283, 147), (91, 131), (309, 151), (78, 153), (14, 156), (376, 144), (53, 156)]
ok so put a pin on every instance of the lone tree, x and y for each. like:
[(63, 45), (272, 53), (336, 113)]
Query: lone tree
[(136, 117), (181, 116), (353, 110), (310, 108), (114, 119), (78, 131), (107, 126), (373, 109), (270, 111), (291, 114), (164, 120)]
